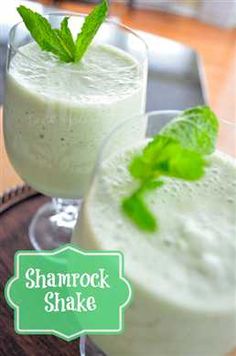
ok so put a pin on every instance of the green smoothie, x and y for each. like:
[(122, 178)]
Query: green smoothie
[(57, 114), (183, 275)]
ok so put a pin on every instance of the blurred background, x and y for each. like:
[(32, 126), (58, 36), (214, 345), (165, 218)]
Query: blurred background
[(222, 13), (192, 52)]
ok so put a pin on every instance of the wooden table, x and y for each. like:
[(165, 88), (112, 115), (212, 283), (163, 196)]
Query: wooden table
[(8, 177)]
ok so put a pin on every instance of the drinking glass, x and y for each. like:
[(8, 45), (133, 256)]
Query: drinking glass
[(143, 129), (51, 138)]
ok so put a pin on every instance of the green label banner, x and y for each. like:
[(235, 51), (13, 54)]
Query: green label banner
[(68, 292)]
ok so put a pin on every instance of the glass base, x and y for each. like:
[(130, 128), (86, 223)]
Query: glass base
[(82, 345), (53, 224), (88, 348)]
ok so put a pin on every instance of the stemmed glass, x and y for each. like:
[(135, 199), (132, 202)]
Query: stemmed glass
[(51, 137), (143, 127)]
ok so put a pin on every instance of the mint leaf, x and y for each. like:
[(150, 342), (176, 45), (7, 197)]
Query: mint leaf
[(135, 208), (184, 164), (151, 185), (90, 27), (177, 152), (66, 37), (60, 41), (165, 156), (195, 129), (42, 32)]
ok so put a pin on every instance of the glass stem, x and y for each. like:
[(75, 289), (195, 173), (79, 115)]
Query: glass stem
[(67, 212)]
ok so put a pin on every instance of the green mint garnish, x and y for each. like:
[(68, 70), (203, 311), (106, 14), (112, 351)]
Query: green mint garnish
[(195, 129), (136, 209), (90, 27), (179, 152), (60, 41)]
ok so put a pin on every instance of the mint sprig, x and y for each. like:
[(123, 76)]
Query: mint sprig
[(195, 128), (179, 151), (60, 42), (136, 209), (90, 27)]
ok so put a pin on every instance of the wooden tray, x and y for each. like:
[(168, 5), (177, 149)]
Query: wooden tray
[(17, 208)]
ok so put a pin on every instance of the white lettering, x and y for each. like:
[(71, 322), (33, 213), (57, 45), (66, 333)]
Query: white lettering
[(103, 283), (56, 303), (29, 273), (50, 306)]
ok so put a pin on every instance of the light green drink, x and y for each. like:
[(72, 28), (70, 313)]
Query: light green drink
[(70, 80), (56, 114), (184, 274)]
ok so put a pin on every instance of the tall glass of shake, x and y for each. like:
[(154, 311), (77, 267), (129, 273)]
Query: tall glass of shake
[(56, 115), (183, 272)]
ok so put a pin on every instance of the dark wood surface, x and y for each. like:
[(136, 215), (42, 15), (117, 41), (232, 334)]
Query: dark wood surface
[(17, 211)]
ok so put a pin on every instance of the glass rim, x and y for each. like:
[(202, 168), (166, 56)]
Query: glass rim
[(106, 139), (158, 112), (133, 117), (121, 27)]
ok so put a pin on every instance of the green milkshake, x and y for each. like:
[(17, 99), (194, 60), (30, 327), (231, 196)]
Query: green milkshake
[(183, 274), (56, 114)]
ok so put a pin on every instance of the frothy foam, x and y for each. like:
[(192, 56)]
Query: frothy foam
[(104, 74)]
